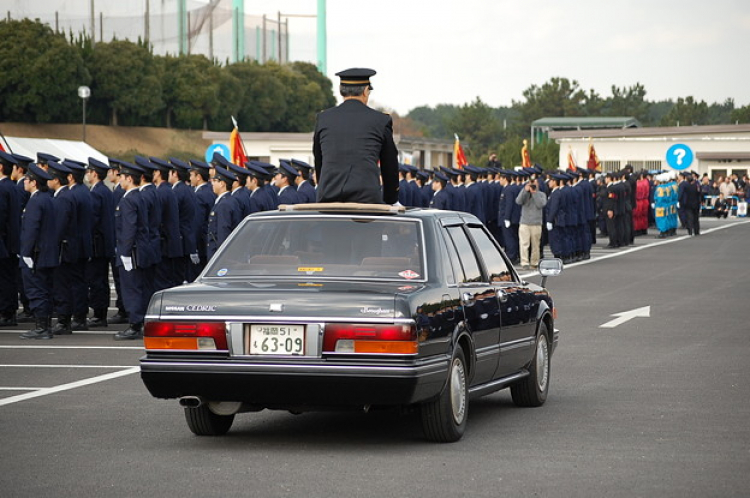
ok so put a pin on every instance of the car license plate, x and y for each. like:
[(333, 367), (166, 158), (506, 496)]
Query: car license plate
[(275, 339)]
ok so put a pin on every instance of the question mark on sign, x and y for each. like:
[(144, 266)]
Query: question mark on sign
[(680, 153)]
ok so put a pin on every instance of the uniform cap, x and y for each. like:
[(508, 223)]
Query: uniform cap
[(356, 76), (163, 165), (178, 163), (44, 158), (256, 171), (74, 166), (225, 175), (7, 159), (220, 160), (130, 169), (441, 177), (286, 169), (58, 170), (22, 161), (37, 173), (300, 164), (145, 164), (201, 165), (95, 164), (239, 171)]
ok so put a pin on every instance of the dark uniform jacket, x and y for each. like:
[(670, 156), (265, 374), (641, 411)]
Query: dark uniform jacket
[(288, 195), (169, 228), (349, 141), (205, 198), (82, 196), (222, 220), (131, 227), (39, 240), (186, 207), (64, 207), (103, 221), (306, 192), (10, 218)]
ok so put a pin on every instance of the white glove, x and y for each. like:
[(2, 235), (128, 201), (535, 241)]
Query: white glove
[(195, 258), (678, 205), (29, 262), (507, 223), (653, 205), (396, 204), (127, 262), (549, 226)]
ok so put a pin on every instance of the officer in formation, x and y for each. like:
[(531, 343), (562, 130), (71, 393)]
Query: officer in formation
[(157, 228)]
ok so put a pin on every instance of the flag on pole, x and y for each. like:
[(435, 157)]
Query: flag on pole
[(593, 162), (2, 148), (571, 160), (525, 157), (236, 148), (458, 154)]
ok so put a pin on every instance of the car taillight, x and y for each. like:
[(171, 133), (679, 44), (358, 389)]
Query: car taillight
[(370, 338), (185, 335)]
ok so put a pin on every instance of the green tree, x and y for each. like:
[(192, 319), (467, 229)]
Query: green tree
[(41, 73), (741, 115), (190, 90), (559, 97), (626, 102), (721, 113), (686, 112), (127, 80), (478, 128)]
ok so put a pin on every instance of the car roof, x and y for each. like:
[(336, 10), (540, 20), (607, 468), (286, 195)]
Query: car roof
[(351, 208)]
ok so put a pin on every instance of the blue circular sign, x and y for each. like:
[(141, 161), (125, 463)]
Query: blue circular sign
[(220, 148), (680, 156)]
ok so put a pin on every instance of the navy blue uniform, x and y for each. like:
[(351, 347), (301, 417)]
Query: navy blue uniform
[(40, 242), (306, 192), (77, 282), (475, 201), (166, 274), (262, 200), (133, 241), (186, 207), (10, 233), (65, 215), (103, 247), (205, 199), (512, 213), (221, 222), (440, 200), (288, 195)]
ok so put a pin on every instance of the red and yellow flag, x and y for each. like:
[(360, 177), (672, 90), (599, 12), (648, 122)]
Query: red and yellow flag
[(525, 156), (593, 162), (571, 160), (236, 148), (458, 154)]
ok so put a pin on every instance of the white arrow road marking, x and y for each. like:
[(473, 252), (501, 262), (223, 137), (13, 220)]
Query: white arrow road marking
[(624, 316)]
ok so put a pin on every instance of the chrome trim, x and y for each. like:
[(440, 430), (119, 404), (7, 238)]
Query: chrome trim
[(519, 343), (280, 319), (482, 389)]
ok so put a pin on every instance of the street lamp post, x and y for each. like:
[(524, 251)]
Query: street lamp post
[(84, 92)]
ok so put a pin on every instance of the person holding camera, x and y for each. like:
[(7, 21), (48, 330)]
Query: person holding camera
[(532, 203)]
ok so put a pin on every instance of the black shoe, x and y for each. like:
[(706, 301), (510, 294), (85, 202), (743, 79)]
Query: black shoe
[(117, 319), (586, 255), (42, 330), (25, 316), (135, 331), (96, 322), (79, 325), (62, 327), (8, 321), (611, 246)]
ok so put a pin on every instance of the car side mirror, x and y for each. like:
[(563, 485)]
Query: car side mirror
[(549, 267)]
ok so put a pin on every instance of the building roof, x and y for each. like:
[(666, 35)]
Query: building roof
[(69, 149), (580, 122), (656, 131)]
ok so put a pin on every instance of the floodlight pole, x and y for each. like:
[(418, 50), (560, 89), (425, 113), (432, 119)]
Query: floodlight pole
[(84, 92)]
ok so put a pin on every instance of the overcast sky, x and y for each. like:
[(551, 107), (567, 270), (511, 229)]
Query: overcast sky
[(429, 52), (433, 52)]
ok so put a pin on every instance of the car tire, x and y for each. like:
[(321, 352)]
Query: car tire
[(203, 422), (532, 390), (444, 418)]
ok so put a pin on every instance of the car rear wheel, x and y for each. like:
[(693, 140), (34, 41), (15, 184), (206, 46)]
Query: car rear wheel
[(444, 418), (203, 422), (532, 390)]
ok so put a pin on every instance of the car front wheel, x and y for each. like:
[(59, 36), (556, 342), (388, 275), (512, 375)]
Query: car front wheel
[(532, 390), (444, 418), (203, 422)]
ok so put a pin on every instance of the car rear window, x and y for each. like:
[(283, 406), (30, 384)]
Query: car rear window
[(304, 246)]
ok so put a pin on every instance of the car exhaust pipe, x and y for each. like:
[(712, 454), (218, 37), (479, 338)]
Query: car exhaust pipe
[(191, 401)]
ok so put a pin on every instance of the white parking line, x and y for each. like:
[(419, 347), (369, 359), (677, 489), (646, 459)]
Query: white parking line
[(21, 388), (71, 385)]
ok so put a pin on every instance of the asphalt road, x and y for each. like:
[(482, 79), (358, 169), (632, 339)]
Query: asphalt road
[(654, 406)]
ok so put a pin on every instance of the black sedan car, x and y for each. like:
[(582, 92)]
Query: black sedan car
[(340, 306)]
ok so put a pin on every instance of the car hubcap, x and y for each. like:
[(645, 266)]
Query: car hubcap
[(542, 363), (458, 390)]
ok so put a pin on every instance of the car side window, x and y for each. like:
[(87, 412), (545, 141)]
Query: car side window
[(472, 270), (497, 268)]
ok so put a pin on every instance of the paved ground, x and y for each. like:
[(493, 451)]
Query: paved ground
[(656, 405)]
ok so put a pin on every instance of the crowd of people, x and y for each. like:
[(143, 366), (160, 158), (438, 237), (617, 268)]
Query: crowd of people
[(62, 227)]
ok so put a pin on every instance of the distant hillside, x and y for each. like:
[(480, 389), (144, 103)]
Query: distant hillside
[(119, 141)]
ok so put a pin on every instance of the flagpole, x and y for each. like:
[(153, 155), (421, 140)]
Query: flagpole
[(234, 122), (6, 142)]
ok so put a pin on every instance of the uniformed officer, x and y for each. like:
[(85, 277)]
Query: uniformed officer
[(179, 177), (440, 198), (224, 213), (512, 216), (240, 194), (43, 159), (305, 188), (66, 231), (256, 180), (555, 216), (152, 207), (39, 251), (205, 198), (113, 176), (77, 279), (474, 193), (103, 242), (167, 271), (10, 233), (133, 248), (348, 143), (285, 180)]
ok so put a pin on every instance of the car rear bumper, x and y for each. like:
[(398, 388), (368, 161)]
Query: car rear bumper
[(295, 384)]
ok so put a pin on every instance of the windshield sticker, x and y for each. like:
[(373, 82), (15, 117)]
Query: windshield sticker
[(222, 272), (408, 274), (309, 269)]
